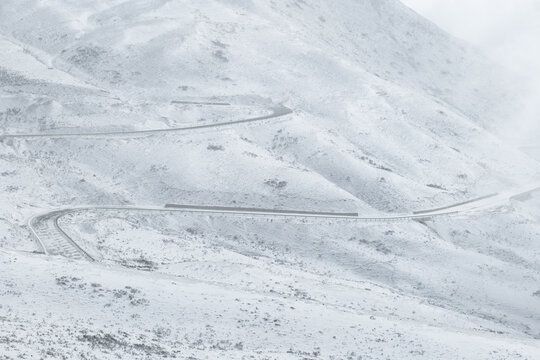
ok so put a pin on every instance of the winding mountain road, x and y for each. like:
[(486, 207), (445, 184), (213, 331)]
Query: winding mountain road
[(276, 112), (55, 241)]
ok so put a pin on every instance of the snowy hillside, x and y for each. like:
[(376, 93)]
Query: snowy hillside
[(358, 112)]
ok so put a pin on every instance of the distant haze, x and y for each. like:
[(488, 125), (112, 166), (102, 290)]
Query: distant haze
[(508, 31)]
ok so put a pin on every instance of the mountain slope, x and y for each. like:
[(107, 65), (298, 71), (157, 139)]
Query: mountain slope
[(390, 115)]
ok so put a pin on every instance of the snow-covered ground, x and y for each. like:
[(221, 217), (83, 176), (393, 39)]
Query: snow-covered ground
[(390, 115)]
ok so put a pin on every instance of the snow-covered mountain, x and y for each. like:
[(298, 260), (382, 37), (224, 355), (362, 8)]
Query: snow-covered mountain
[(390, 115)]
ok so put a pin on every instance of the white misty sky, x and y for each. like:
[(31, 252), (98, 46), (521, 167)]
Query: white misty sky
[(507, 30)]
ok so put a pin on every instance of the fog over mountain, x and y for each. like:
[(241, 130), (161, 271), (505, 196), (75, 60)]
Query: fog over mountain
[(507, 32), (249, 179)]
